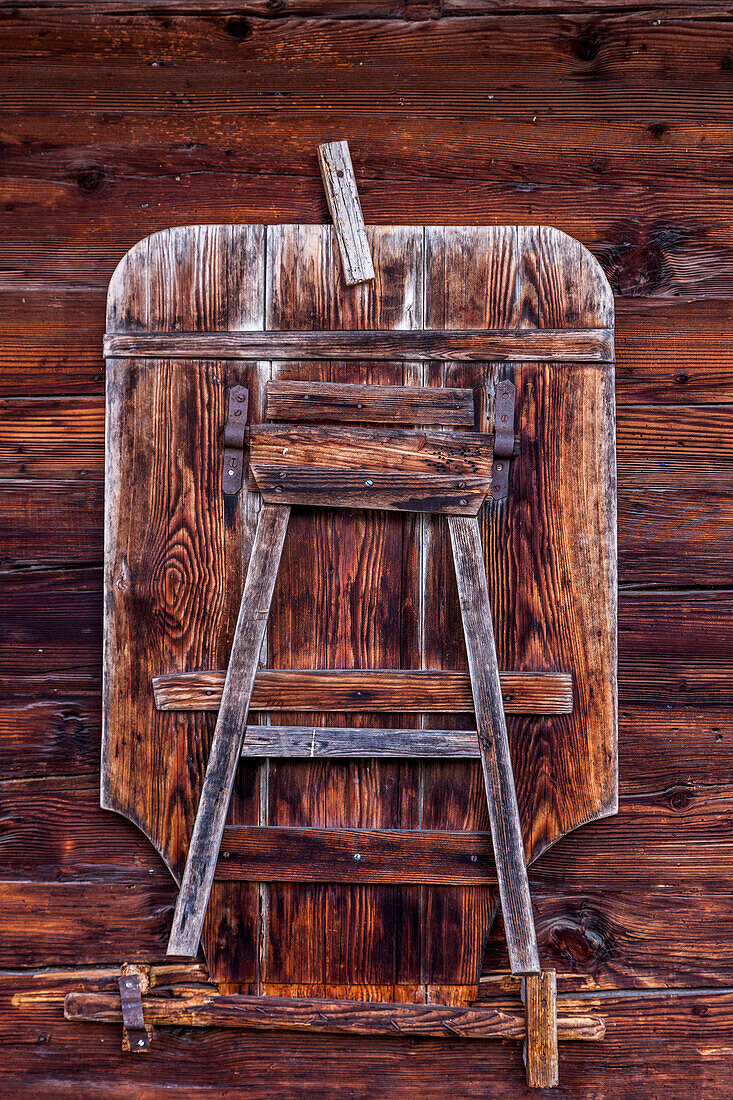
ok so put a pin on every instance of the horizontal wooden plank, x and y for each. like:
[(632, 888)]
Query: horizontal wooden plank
[(395, 491), (49, 728), (50, 439), (331, 1016), (313, 742), (354, 449), (72, 924), (324, 401), (366, 689), (495, 345), (268, 854), (681, 448)]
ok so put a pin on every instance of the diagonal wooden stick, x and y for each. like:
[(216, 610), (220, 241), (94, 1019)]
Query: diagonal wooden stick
[(203, 851)]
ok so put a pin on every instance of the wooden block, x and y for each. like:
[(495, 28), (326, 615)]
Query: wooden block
[(539, 994), (342, 403), (377, 690), (343, 202)]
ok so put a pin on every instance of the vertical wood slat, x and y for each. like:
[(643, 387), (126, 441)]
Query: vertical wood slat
[(203, 851), (342, 196), (506, 829), (539, 994)]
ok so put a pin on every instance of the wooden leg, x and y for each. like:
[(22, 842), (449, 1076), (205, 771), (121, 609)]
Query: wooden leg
[(231, 724), (539, 993), (506, 830)]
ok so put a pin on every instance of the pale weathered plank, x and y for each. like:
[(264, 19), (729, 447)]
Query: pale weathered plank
[(571, 345), (506, 829), (342, 196), (539, 994), (198, 875), (312, 742)]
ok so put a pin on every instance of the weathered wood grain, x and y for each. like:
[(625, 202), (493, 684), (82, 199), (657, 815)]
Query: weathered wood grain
[(449, 453), (539, 994), (338, 402), (315, 741), (342, 195), (592, 345), (393, 491), (338, 1017), (366, 689), (231, 723), (506, 828)]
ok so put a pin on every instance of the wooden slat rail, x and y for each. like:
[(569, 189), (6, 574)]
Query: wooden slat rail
[(344, 206), (348, 448), (345, 403), (203, 1008), (318, 742), (347, 690), (389, 856), (593, 345)]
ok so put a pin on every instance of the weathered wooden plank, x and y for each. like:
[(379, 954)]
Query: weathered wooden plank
[(539, 994), (376, 690), (50, 523), (213, 807), (330, 1016), (316, 741), (342, 196), (353, 448), (506, 828), (339, 402), (278, 854), (565, 345), (397, 491)]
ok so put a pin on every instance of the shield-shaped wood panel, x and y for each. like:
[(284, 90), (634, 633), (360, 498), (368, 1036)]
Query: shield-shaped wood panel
[(356, 875)]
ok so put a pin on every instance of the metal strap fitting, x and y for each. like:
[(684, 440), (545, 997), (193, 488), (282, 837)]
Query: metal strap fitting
[(503, 438), (132, 1013), (234, 433)]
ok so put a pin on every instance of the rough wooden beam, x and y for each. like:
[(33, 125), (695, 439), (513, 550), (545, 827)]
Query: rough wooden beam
[(591, 345), (367, 690), (206, 1009), (317, 742), (342, 196)]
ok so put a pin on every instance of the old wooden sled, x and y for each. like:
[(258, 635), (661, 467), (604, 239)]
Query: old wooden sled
[(356, 862)]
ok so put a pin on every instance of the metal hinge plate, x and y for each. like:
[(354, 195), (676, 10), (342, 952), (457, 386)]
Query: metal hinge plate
[(132, 1013), (234, 434), (503, 438)]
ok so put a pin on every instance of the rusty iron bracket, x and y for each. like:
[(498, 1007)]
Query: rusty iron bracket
[(234, 436), (503, 438), (132, 1013)]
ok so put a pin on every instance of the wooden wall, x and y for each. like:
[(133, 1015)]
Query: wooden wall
[(610, 122)]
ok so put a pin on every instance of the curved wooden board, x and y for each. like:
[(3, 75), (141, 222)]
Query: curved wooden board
[(356, 590)]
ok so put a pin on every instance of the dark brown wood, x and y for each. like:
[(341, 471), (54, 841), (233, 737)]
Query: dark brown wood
[(203, 849), (366, 689), (342, 195), (336, 1016), (320, 487), (373, 404), (539, 995), (506, 829), (355, 855)]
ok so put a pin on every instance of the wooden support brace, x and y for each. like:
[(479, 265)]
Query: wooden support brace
[(203, 851), (539, 995), (343, 202), (506, 830)]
